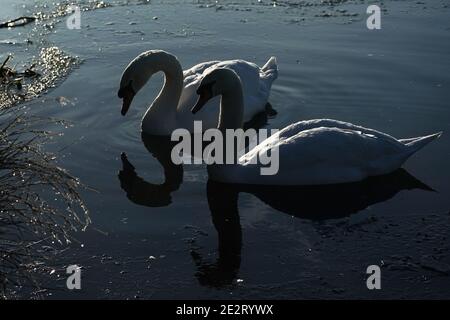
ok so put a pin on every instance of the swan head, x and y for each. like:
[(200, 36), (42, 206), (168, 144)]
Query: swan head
[(138, 72), (216, 82)]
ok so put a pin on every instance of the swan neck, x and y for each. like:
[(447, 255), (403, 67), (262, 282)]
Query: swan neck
[(166, 103), (173, 83), (231, 109)]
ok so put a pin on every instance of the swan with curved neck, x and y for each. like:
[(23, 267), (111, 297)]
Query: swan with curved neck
[(313, 152), (171, 108)]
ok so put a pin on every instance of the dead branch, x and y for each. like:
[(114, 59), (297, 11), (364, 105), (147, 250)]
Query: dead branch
[(18, 22)]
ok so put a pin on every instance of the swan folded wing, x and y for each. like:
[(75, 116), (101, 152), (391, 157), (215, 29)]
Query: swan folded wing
[(340, 149), (255, 93), (198, 69), (300, 126), (329, 155), (256, 88), (262, 148), (188, 98), (248, 73)]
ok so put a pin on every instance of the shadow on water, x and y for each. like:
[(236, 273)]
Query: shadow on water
[(314, 203), (334, 201), (223, 204), (306, 202), (149, 194)]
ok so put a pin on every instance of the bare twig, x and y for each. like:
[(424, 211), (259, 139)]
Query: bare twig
[(5, 62), (18, 22)]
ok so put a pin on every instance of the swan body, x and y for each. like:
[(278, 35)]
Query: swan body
[(171, 109), (313, 152)]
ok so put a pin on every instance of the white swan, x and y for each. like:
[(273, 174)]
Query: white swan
[(171, 109), (313, 152)]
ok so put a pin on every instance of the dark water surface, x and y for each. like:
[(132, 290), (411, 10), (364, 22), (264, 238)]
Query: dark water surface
[(177, 236)]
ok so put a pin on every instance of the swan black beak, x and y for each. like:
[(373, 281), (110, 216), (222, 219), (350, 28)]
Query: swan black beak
[(205, 94), (200, 103), (127, 94)]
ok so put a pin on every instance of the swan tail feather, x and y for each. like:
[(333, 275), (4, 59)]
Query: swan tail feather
[(268, 74), (271, 68), (415, 144), (406, 141), (271, 64), (422, 186), (411, 182)]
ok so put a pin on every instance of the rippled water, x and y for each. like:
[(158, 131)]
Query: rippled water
[(152, 239)]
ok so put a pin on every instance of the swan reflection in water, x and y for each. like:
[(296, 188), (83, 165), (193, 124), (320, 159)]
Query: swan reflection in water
[(149, 194), (306, 202)]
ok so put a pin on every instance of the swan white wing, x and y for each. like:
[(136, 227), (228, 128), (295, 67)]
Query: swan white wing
[(256, 84), (248, 72), (322, 155), (190, 74), (297, 127)]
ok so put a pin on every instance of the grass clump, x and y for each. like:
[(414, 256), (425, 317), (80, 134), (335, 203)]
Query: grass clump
[(40, 205)]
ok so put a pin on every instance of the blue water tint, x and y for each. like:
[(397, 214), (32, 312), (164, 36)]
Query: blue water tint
[(395, 80)]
